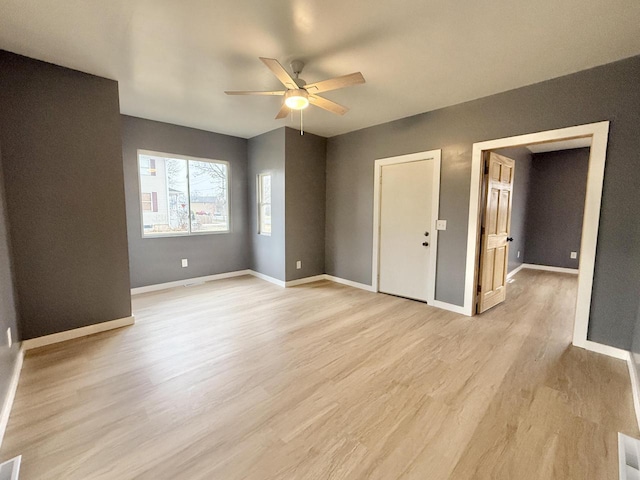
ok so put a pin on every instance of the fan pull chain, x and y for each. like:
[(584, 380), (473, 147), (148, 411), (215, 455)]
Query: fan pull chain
[(301, 124)]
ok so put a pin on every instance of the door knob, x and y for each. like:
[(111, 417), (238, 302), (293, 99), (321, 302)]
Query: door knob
[(425, 244), (509, 239)]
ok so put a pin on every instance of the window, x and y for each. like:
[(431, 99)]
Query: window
[(264, 204), (148, 166), (182, 196), (150, 202)]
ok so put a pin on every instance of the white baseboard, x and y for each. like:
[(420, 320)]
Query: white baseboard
[(350, 283), (262, 276), (11, 394), (549, 268), (635, 386), (315, 278), (280, 283), (302, 281), (448, 306), (77, 333), (267, 278), (515, 270), (614, 352), (189, 281)]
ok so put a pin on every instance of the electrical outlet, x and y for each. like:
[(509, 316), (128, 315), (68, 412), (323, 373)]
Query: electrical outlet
[(518, 253), (574, 255), (441, 225), (9, 339), (299, 264), (185, 263)]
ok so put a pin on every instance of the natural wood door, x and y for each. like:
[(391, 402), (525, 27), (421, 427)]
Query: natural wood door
[(405, 221), (496, 225)]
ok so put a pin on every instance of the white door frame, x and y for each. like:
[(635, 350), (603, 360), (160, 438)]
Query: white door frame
[(434, 155), (599, 135)]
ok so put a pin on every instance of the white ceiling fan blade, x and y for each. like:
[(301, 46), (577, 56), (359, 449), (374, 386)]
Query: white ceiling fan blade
[(335, 83), (250, 92), (284, 112), (328, 105), (279, 71)]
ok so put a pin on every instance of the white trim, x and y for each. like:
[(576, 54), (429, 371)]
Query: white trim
[(349, 283), (434, 155), (267, 278), (302, 281), (515, 270), (605, 350), (635, 386), (549, 268), (628, 453), (11, 394), (599, 135), (14, 464), (188, 281), (447, 306), (77, 333)]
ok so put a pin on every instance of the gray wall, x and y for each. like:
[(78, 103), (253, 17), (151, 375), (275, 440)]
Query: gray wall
[(267, 155), (8, 314), (556, 207), (522, 157), (62, 160), (305, 192), (158, 260), (610, 92)]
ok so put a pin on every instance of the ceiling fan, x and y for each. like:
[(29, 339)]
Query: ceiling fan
[(299, 94)]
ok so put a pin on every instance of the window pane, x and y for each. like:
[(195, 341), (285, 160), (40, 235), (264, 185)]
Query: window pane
[(264, 212), (208, 183), (165, 205)]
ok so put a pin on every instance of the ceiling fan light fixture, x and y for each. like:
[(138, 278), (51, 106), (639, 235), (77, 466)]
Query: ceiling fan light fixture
[(297, 99)]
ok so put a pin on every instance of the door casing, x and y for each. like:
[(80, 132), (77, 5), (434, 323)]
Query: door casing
[(598, 132)]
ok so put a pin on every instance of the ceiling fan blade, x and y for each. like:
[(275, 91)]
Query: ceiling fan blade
[(332, 107), (284, 111), (249, 92), (335, 83), (279, 71)]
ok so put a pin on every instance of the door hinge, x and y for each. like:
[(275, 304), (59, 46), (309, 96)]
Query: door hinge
[(486, 168)]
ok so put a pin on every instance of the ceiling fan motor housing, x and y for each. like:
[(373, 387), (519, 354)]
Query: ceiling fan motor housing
[(297, 66)]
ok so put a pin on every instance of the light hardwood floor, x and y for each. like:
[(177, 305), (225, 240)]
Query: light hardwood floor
[(241, 379)]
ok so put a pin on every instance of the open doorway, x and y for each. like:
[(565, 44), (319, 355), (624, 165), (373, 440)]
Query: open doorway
[(548, 205), (597, 135), (532, 211)]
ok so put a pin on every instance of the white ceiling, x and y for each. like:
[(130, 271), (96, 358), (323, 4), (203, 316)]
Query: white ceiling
[(174, 59)]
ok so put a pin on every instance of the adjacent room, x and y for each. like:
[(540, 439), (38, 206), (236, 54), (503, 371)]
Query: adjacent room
[(319, 240)]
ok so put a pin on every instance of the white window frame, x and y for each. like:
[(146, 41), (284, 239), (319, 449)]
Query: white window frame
[(261, 203), (176, 156)]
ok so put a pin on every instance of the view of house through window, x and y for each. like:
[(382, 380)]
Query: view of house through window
[(182, 196), (264, 201)]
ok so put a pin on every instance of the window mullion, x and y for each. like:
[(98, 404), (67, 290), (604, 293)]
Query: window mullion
[(189, 195)]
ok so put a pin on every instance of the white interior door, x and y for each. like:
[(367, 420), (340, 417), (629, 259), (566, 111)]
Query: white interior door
[(406, 229)]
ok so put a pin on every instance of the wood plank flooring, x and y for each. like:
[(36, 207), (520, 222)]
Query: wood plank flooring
[(241, 379)]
